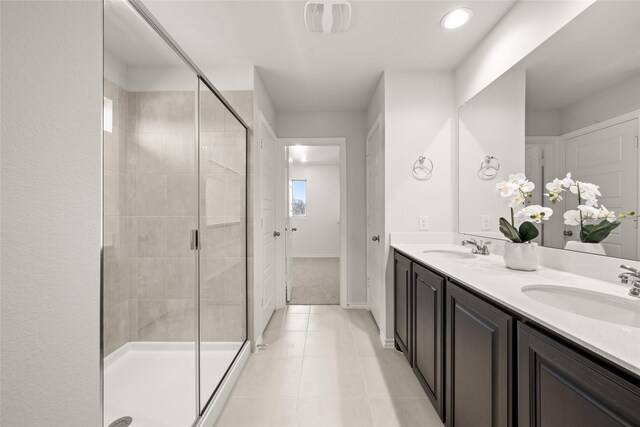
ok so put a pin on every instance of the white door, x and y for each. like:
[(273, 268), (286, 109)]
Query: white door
[(268, 222), (374, 245), (288, 274), (608, 157), (533, 171)]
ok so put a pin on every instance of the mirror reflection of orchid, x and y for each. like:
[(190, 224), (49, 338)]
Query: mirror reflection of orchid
[(595, 222), (518, 190)]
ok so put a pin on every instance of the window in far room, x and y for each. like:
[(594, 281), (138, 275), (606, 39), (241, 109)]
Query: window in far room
[(298, 198)]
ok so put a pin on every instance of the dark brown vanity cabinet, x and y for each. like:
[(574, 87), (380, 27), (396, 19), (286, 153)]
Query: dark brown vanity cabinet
[(478, 362), (402, 304), (428, 299), (558, 387)]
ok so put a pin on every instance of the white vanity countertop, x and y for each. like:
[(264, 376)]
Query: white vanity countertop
[(488, 276)]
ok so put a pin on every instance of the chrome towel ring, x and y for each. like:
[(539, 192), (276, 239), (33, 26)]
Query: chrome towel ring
[(489, 168), (422, 172)]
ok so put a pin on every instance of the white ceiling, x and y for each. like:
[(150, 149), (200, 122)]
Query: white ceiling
[(599, 48), (305, 71), (314, 155)]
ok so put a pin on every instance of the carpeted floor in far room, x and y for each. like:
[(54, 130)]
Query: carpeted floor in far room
[(315, 281)]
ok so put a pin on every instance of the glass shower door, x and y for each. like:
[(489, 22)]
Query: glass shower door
[(150, 191), (222, 225)]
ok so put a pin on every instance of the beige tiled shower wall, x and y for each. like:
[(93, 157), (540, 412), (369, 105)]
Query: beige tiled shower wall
[(116, 265), (150, 202)]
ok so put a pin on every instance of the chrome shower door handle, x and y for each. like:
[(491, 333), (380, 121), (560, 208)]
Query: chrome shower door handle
[(195, 244)]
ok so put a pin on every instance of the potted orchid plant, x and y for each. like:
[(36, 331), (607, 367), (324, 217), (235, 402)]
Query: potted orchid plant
[(520, 252), (595, 222)]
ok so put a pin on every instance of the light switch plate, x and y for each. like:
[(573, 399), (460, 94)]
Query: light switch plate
[(486, 223), (424, 222)]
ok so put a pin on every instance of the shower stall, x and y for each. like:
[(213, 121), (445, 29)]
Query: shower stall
[(174, 260)]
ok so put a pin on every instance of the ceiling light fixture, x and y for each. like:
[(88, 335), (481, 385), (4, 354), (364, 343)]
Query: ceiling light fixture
[(327, 16), (456, 18)]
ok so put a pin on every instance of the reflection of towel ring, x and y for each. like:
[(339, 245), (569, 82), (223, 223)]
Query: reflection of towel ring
[(489, 168), (420, 171)]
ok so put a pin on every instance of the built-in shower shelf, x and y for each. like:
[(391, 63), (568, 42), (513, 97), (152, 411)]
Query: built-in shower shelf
[(220, 224), (223, 166)]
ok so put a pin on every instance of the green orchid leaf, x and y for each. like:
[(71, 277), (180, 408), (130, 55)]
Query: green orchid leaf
[(509, 231), (528, 231), (596, 233)]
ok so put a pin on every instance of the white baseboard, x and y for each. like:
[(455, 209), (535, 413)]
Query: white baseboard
[(358, 306), (214, 410), (386, 343)]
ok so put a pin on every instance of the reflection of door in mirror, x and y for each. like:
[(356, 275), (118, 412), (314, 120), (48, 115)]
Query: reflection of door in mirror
[(608, 157)]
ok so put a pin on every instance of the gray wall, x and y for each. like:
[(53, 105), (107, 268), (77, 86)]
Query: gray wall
[(51, 88)]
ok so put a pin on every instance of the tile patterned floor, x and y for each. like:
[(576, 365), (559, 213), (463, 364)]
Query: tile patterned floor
[(324, 367)]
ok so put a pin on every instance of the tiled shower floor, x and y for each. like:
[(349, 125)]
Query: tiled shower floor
[(154, 382)]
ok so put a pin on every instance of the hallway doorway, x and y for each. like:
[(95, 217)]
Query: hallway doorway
[(314, 217)]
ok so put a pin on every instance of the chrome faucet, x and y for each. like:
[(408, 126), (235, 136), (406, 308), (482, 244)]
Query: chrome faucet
[(481, 248), (633, 275)]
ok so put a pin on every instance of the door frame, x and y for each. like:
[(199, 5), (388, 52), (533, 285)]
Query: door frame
[(281, 210)]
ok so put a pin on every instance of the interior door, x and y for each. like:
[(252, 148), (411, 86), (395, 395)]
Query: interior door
[(374, 248), (288, 274), (268, 222), (608, 157)]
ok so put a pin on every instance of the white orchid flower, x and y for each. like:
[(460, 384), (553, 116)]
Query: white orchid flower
[(588, 192), (572, 217), (593, 213), (555, 188), (533, 213), (507, 188), (567, 181)]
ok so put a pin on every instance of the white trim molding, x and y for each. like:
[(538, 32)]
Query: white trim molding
[(342, 143)]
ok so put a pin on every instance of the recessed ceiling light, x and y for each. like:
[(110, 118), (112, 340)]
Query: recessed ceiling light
[(456, 18)]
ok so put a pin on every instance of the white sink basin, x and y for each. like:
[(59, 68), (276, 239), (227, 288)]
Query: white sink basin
[(596, 305), (449, 254)]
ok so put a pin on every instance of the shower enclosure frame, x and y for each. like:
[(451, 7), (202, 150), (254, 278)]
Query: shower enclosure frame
[(138, 7)]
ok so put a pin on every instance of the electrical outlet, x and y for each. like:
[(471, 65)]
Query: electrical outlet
[(486, 223), (424, 222)]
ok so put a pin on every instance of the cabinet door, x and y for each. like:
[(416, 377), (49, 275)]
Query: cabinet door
[(403, 304), (558, 387), (478, 364), (428, 296)]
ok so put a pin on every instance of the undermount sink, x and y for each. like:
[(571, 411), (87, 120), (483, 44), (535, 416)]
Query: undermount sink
[(595, 305), (449, 254)]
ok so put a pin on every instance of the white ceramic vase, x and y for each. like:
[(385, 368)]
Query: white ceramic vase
[(590, 248), (521, 256)]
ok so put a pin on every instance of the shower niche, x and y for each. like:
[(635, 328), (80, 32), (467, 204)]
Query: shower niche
[(174, 296)]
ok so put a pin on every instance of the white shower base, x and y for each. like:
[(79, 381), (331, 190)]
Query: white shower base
[(154, 382)]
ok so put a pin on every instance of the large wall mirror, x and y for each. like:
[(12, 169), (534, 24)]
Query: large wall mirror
[(571, 106)]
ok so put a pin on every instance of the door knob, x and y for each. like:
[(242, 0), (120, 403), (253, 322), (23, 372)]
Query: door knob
[(568, 233), (276, 234), (376, 238), (294, 229)]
